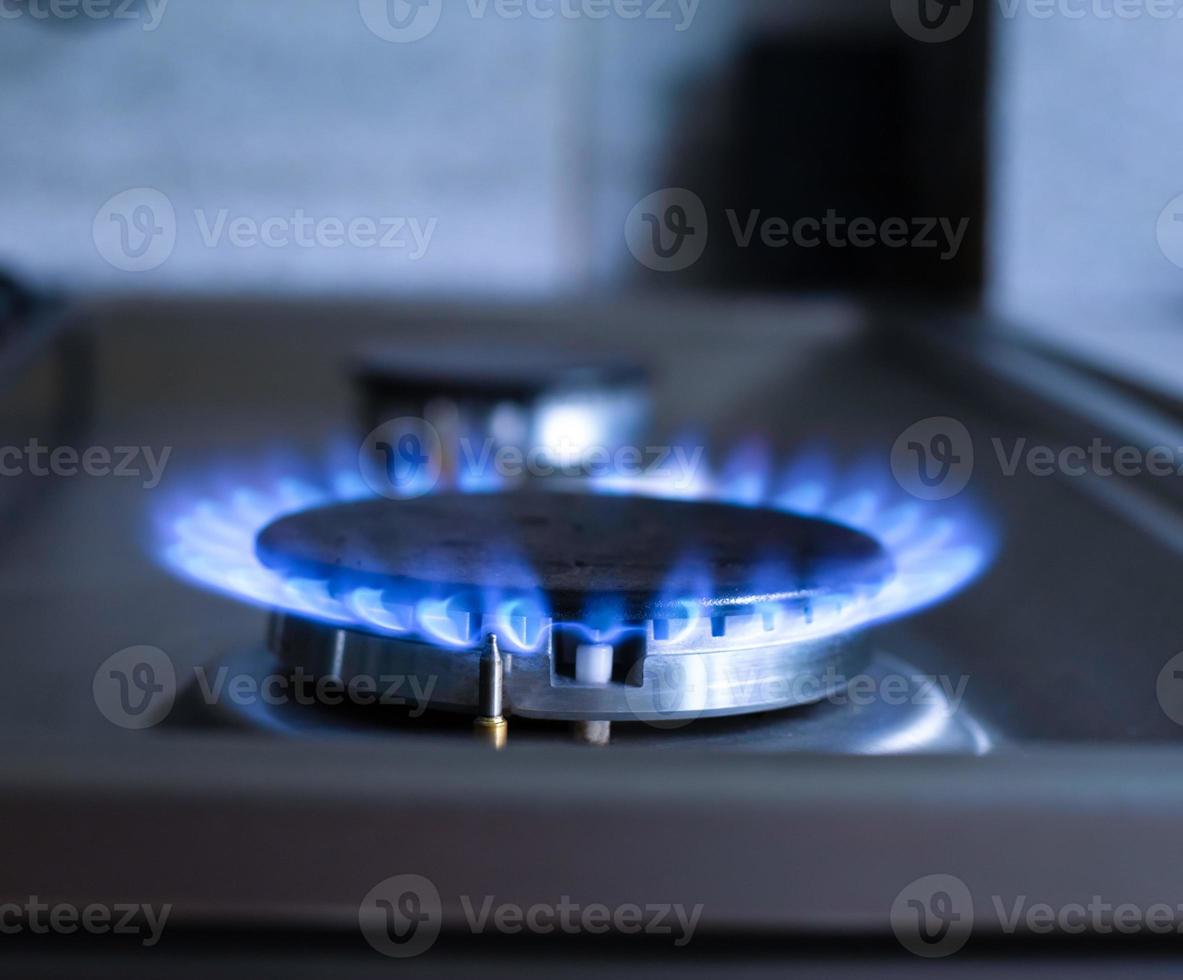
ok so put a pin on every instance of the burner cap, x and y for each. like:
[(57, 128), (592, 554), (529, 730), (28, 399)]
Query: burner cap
[(579, 550), (492, 373)]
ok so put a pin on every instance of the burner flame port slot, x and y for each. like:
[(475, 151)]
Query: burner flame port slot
[(587, 661)]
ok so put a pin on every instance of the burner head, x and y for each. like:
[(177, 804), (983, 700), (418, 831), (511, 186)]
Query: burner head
[(597, 608), (634, 608), (641, 558)]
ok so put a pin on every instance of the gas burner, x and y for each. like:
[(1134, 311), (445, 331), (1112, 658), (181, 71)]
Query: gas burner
[(555, 400), (585, 605), (629, 601), (585, 554)]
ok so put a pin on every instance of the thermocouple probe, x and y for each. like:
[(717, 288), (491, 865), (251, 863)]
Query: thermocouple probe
[(491, 724)]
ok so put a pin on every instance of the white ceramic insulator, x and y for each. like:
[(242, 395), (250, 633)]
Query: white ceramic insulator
[(593, 663)]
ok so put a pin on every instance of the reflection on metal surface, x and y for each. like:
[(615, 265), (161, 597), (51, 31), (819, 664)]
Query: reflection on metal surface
[(925, 714)]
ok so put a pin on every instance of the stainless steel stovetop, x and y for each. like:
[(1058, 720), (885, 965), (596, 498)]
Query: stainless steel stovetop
[(288, 816)]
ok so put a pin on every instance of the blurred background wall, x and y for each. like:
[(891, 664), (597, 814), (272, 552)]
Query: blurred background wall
[(509, 132), (1087, 154), (520, 143)]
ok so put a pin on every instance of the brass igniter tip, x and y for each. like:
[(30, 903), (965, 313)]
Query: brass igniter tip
[(494, 732)]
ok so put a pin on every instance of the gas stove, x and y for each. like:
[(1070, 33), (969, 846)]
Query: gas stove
[(598, 487), (656, 603), (292, 632)]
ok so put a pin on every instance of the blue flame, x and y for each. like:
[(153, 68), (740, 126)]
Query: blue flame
[(937, 549)]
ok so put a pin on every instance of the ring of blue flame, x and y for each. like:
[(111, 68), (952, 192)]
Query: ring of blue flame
[(937, 549)]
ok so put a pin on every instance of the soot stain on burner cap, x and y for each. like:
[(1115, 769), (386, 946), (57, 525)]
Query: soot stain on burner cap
[(577, 549)]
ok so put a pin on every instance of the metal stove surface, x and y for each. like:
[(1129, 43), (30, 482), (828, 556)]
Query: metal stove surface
[(1063, 641), (1044, 637)]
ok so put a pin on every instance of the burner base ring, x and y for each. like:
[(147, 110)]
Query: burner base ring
[(921, 719), (673, 686)]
